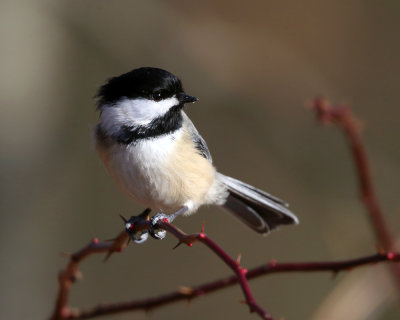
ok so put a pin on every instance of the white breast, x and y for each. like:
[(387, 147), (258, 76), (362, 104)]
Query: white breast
[(141, 170)]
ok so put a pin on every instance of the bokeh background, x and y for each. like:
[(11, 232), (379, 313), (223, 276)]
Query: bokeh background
[(253, 65)]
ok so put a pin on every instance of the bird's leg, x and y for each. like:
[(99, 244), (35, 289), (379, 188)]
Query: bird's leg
[(157, 233), (172, 217)]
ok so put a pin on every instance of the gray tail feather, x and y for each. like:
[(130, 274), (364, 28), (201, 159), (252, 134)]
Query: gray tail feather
[(257, 209)]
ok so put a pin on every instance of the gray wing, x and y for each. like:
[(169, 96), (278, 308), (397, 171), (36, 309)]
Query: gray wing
[(199, 142), (259, 210)]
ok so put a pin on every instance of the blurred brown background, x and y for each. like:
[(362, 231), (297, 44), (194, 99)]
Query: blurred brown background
[(253, 65)]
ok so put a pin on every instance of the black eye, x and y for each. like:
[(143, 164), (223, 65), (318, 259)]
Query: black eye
[(159, 95)]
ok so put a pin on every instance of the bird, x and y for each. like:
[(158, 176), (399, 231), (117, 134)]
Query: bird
[(156, 155)]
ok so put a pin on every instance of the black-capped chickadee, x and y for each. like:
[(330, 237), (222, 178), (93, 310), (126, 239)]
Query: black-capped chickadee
[(156, 155)]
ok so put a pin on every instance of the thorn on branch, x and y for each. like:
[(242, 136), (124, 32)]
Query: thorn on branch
[(272, 263), (238, 258), (177, 245), (390, 256), (243, 270), (187, 291), (76, 276)]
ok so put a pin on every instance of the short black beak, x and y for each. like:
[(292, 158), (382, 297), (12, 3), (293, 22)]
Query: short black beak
[(185, 98)]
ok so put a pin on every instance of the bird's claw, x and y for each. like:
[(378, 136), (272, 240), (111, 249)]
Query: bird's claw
[(137, 236), (140, 236), (155, 232)]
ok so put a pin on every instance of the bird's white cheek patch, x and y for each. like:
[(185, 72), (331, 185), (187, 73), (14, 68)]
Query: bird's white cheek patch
[(128, 112)]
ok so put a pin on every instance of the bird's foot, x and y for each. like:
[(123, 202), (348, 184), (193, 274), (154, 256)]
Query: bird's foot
[(141, 235), (158, 233)]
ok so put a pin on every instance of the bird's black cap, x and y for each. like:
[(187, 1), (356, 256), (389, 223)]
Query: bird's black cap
[(146, 82)]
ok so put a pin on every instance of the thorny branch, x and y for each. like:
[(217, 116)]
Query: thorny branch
[(69, 275), (343, 117), (326, 114), (189, 293)]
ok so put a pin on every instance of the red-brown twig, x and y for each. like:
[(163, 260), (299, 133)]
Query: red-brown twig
[(342, 116), (187, 293), (234, 265), (69, 275)]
